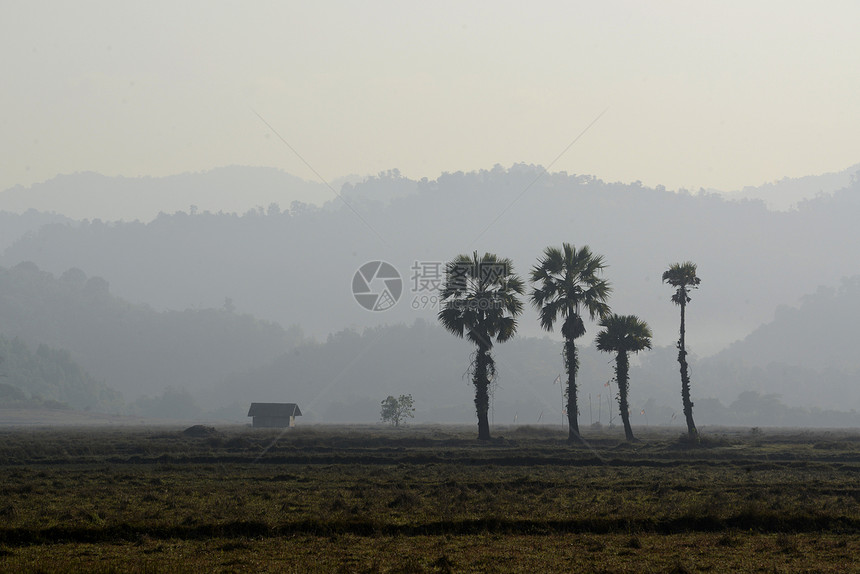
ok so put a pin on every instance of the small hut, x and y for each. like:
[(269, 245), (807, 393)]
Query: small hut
[(274, 415)]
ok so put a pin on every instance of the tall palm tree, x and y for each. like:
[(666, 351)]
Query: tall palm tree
[(480, 301), (567, 286), (622, 335), (682, 276)]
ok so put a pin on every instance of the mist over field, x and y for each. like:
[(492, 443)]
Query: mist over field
[(196, 312)]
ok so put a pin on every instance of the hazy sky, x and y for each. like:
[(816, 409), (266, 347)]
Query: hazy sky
[(696, 94)]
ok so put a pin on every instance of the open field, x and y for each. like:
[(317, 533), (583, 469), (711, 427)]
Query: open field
[(41, 417), (427, 499)]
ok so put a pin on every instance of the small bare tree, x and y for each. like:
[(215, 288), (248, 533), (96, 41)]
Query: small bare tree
[(395, 410)]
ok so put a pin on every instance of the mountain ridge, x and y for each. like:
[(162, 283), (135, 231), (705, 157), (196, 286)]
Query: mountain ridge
[(239, 188)]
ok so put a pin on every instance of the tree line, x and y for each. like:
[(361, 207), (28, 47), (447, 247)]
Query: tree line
[(482, 297)]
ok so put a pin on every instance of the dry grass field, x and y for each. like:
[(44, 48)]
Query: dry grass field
[(426, 499)]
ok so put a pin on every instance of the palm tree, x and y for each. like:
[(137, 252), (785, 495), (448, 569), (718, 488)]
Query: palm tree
[(682, 276), (480, 302), (622, 335), (567, 285)]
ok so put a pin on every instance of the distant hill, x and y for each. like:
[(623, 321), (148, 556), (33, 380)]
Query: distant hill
[(295, 266), (820, 333), (133, 348), (787, 193), (806, 354), (14, 226), (239, 189), (233, 189)]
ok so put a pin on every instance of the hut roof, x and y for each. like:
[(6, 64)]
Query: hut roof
[(274, 410)]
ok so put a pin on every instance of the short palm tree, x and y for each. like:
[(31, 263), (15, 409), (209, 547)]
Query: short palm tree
[(622, 335), (568, 285), (682, 276), (480, 301)]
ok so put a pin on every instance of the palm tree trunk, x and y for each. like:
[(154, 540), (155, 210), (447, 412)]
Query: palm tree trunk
[(685, 379), (622, 367), (482, 395), (572, 364)]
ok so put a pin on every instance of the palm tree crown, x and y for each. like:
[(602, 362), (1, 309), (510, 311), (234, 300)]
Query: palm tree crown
[(623, 333), (568, 283), (683, 277), (480, 298)]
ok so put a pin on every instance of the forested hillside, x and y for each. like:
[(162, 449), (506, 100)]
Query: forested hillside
[(49, 378), (296, 266), (133, 348), (820, 333), (14, 226)]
